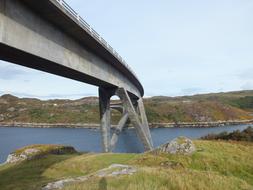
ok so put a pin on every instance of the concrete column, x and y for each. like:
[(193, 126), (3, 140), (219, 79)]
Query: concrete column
[(2, 17), (118, 130), (105, 117), (144, 119), (134, 118)]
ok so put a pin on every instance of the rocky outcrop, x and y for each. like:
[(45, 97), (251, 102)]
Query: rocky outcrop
[(37, 151), (180, 145), (25, 155), (113, 170)]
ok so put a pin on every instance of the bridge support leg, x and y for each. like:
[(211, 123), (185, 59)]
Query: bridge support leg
[(105, 117), (132, 110), (144, 119), (141, 128), (118, 130)]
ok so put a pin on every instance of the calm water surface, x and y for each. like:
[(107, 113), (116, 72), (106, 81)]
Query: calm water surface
[(89, 139)]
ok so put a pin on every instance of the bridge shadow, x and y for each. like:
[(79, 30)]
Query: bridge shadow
[(29, 173), (102, 184)]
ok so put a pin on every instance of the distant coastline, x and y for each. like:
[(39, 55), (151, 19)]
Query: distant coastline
[(201, 124), (152, 125)]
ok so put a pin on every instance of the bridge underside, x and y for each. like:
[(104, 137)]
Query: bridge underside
[(36, 39), (28, 38)]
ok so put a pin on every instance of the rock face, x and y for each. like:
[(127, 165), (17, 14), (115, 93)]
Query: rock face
[(38, 151), (26, 155), (180, 145)]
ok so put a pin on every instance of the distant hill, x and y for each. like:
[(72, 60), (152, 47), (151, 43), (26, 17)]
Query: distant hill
[(198, 108), (203, 107)]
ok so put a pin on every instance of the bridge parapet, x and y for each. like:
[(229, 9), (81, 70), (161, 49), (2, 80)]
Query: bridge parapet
[(71, 12)]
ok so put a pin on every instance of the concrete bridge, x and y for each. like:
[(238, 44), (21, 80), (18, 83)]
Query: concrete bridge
[(48, 35)]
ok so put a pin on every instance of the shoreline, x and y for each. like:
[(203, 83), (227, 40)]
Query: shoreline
[(200, 124), (152, 125)]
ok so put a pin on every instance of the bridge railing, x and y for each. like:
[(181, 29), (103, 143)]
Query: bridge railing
[(93, 33)]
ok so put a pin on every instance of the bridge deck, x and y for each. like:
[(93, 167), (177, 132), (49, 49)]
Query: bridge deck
[(64, 18)]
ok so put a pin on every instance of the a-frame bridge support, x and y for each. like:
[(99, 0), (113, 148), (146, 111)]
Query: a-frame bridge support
[(131, 109)]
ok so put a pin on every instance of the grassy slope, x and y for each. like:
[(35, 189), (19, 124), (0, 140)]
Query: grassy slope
[(207, 107), (216, 165)]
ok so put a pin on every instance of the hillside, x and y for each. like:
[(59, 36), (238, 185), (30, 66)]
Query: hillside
[(197, 108), (215, 165), (205, 107)]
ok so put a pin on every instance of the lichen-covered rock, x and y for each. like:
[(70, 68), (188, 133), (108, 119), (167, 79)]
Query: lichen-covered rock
[(11, 109), (12, 158), (37, 151), (25, 155), (115, 170), (180, 145)]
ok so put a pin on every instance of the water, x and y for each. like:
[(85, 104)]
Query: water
[(89, 139)]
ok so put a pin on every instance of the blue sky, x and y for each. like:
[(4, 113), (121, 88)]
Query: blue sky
[(176, 48)]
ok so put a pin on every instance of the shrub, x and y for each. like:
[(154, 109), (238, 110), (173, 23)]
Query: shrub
[(245, 135)]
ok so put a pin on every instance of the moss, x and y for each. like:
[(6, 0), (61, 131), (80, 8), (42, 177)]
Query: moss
[(47, 149)]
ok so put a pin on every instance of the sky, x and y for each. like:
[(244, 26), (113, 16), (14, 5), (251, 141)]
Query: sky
[(176, 47)]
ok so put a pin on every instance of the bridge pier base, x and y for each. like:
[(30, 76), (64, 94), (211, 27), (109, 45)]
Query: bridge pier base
[(131, 109)]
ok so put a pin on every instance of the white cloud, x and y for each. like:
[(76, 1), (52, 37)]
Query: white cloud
[(10, 72), (247, 86)]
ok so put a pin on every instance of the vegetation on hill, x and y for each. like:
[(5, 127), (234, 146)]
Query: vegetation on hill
[(198, 108), (215, 165), (46, 149), (13, 109), (245, 135)]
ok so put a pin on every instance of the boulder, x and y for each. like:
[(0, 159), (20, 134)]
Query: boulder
[(38, 151), (11, 109), (180, 145), (25, 155), (115, 170)]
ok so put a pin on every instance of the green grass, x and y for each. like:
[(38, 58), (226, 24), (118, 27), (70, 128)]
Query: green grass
[(28, 175), (86, 164), (47, 149), (215, 165), (151, 179)]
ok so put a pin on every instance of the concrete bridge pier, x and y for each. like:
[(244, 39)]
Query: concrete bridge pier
[(132, 110), (105, 95)]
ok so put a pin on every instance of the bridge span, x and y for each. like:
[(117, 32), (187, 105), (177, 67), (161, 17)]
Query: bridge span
[(48, 35)]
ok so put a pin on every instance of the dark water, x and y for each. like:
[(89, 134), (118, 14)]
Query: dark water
[(89, 139)]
